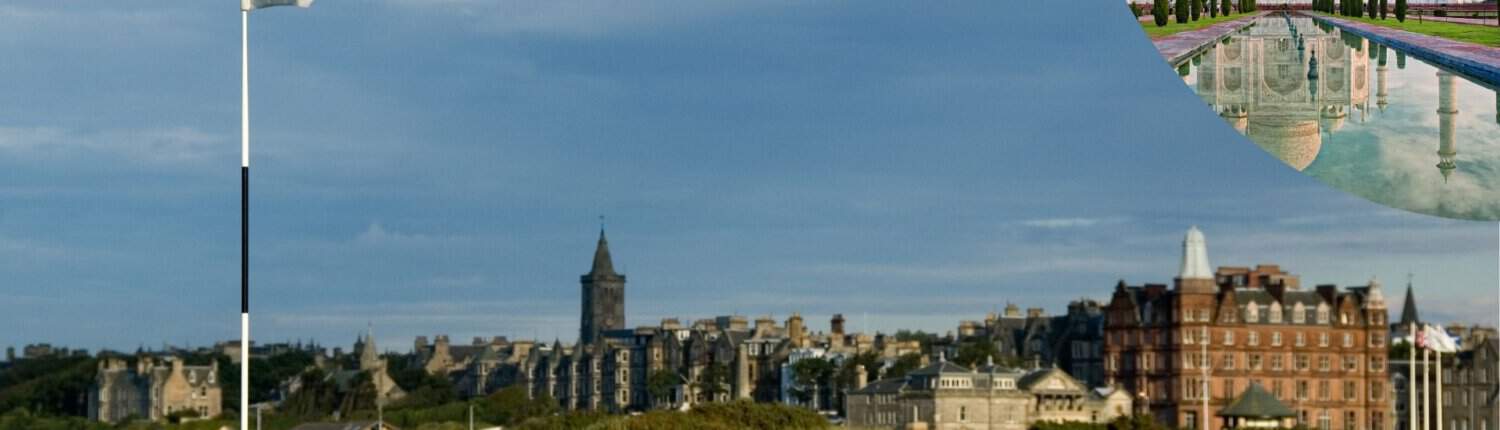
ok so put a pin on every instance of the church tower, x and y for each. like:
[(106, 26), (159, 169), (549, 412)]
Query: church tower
[(603, 296)]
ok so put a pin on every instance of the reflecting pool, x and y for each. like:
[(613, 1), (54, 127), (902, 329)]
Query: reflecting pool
[(1357, 115)]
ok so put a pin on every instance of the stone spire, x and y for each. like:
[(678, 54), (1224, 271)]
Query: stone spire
[(1409, 308), (603, 264), (603, 296), (1194, 256), (369, 357)]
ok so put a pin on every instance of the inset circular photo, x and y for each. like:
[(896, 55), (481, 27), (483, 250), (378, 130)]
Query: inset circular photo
[(1395, 102)]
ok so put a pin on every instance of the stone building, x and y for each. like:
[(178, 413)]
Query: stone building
[(369, 363), (1469, 384), (1071, 341), (1322, 351), (153, 390), (1470, 389), (944, 395), (603, 296)]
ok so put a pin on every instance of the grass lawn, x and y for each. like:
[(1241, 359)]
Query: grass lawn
[(1483, 35), (1173, 27)]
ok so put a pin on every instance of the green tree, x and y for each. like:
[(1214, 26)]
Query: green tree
[(903, 364), (975, 352), (1180, 11), (1197, 6), (660, 384), (1383, 6), (809, 377), (1401, 10), (511, 406), (1373, 9), (1226, 7), (1158, 15), (713, 381)]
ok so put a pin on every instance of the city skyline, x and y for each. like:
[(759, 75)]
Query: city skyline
[(749, 159)]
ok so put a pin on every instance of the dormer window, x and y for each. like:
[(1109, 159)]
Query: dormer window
[(1275, 314), (1299, 314), (1252, 313), (1322, 313)]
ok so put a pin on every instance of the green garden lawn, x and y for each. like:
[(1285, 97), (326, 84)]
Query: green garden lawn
[(1483, 35), (1173, 27)]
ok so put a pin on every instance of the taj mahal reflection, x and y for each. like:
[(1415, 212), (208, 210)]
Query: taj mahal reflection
[(1288, 85), (1328, 103)]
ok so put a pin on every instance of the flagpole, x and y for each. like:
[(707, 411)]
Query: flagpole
[(1426, 389), (244, 219), (1439, 392), (1411, 378)]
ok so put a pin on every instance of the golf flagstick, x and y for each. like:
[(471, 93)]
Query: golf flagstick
[(245, 7)]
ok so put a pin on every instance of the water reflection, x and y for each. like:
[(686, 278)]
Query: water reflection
[(1284, 83), (1301, 91)]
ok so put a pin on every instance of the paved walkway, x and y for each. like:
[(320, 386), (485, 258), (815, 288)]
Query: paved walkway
[(1177, 47), (1472, 59)]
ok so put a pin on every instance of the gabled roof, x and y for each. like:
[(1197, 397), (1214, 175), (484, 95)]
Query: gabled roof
[(1255, 402), (1032, 380)]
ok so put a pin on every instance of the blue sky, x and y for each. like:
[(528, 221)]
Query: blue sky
[(440, 166)]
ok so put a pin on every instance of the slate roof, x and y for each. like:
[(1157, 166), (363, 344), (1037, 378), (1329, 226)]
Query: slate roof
[(1255, 402), (939, 367), (883, 386), (1409, 309)]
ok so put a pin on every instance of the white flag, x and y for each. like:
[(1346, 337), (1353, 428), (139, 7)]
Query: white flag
[(260, 4), (1437, 339)]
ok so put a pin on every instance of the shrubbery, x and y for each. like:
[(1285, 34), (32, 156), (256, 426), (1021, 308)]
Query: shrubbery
[(1159, 12), (1180, 11)]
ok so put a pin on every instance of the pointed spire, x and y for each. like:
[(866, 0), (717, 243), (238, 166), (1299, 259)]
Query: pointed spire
[(1409, 308), (603, 264)]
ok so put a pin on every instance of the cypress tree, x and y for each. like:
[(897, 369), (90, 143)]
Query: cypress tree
[(1401, 10), (1159, 12), (1373, 9), (1224, 5), (1180, 11), (1383, 5), (1197, 9), (1213, 8)]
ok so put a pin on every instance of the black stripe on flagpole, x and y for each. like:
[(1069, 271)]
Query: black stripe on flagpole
[(244, 239)]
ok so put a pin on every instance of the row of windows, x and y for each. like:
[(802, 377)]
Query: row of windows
[(1193, 389), (1253, 361), (1227, 337)]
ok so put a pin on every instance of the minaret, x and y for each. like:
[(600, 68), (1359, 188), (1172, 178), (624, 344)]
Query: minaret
[(1446, 111), (1195, 276), (603, 296), (1380, 93)]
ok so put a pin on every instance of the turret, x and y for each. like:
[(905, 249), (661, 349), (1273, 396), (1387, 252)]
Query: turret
[(1195, 276)]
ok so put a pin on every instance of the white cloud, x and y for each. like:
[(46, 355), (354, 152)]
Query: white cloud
[(1069, 222), (149, 145), (376, 234)]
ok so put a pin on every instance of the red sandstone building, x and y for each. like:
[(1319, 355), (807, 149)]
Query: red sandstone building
[(1321, 351)]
